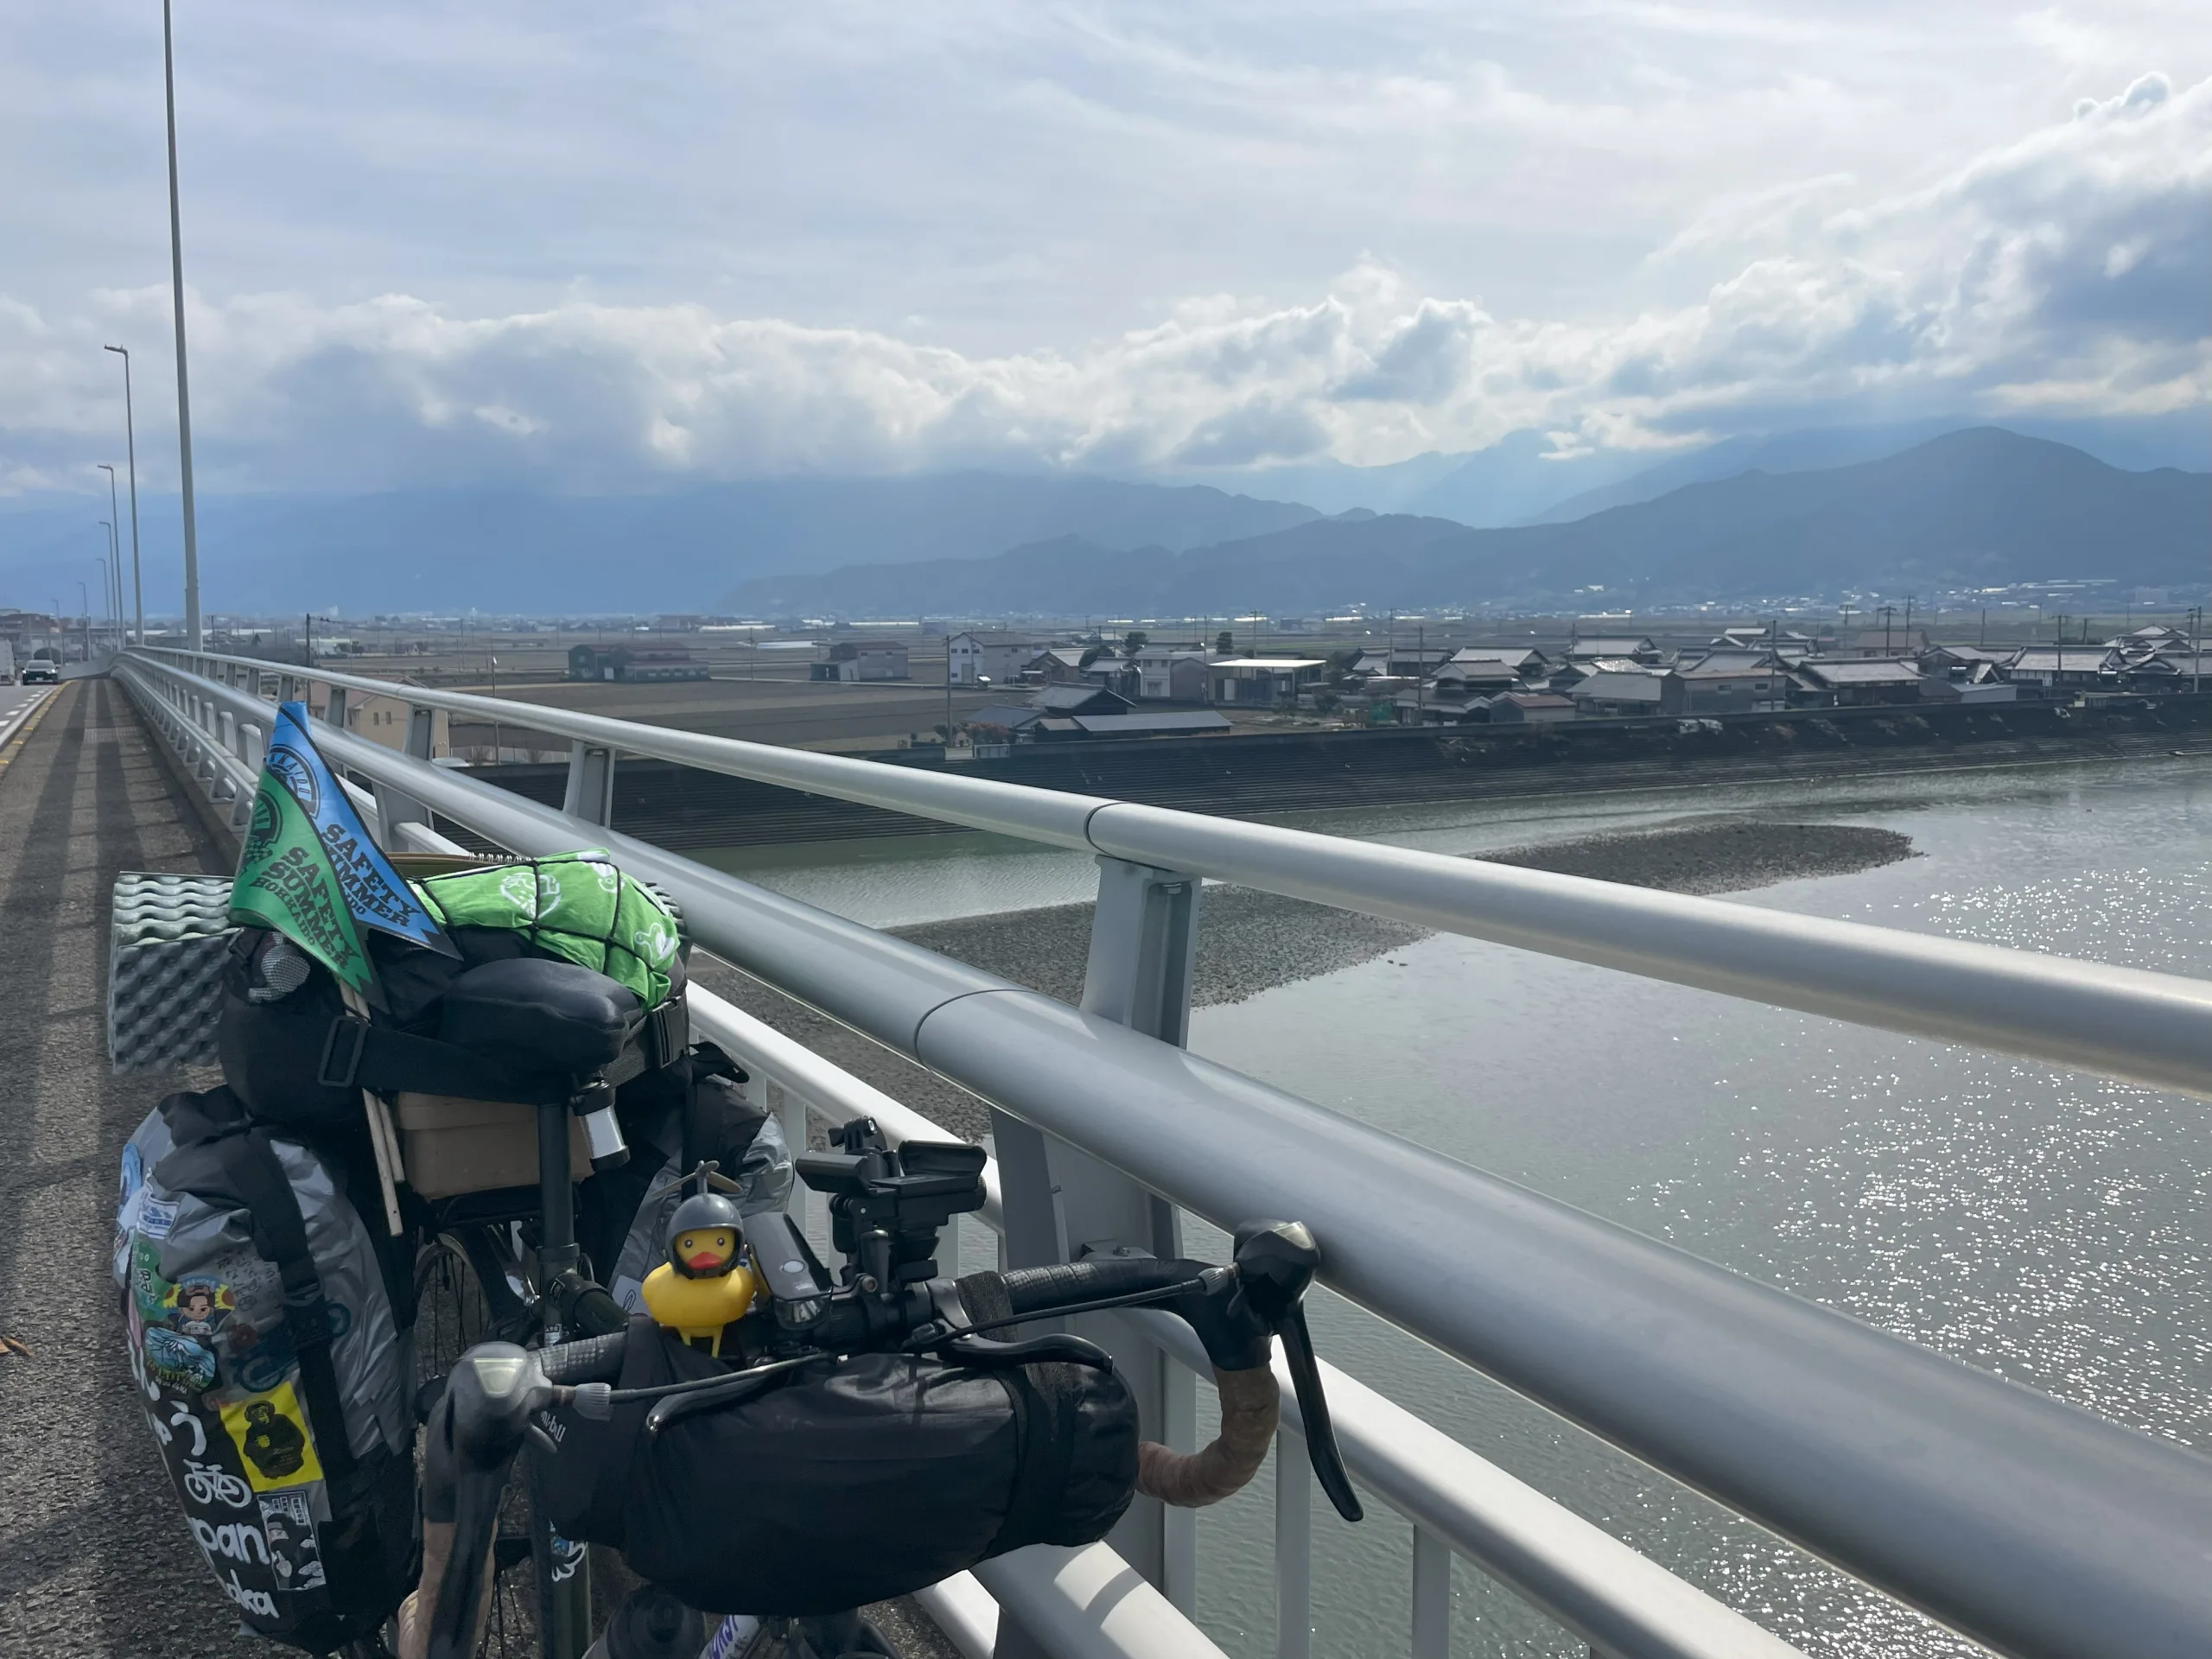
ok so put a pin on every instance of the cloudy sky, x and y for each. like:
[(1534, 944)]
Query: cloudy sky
[(608, 247)]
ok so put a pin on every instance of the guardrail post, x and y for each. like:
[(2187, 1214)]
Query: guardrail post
[(1432, 1632), (1058, 1201), (395, 807), (590, 794), (1293, 1549), (333, 707)]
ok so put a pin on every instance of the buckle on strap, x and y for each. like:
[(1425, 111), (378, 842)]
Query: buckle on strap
[(349, 1039), (668, 1033)]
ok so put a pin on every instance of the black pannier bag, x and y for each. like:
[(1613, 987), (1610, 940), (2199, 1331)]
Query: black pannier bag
[(843, 1483)]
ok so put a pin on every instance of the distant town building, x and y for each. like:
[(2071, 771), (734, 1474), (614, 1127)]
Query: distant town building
[(2083, 668), (1615, 695), (1895, 641), (1832, 683), (999, 658), (1167, 675), (1477, 677), (861, 659), (631, 665), (1529, 708), (1726, 682), (383, 719), (1263, 682), (1637, 647)]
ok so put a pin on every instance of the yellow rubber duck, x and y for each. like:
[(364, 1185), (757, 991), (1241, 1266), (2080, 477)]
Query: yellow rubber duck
[(704, 1284)]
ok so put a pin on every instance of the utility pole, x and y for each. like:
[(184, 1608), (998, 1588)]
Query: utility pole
[(84, 600), (192, 634), (130, 448)]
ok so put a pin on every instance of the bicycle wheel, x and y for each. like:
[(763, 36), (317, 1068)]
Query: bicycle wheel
[(453, 1312)]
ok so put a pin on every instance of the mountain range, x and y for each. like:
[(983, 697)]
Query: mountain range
[(1982, 507), (517, 552), (1448, 528)]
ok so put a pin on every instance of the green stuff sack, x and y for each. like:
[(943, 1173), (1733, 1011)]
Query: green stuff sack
[(576, 905)]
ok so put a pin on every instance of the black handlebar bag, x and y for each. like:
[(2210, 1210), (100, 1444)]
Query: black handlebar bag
[(845, 1482)]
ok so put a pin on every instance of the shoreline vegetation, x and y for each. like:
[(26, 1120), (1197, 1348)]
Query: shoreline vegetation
[(1250, 942)]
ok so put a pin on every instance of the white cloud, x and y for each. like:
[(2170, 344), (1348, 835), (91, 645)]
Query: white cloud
[(2063, 273)]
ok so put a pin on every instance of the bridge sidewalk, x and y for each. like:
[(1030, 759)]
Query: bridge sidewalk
[(94, 1555)]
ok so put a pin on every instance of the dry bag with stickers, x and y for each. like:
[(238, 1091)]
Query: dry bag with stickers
[(271, 1369)]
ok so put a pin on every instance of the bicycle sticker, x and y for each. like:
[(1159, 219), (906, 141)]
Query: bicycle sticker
[(212, 1484), (270, 1432)]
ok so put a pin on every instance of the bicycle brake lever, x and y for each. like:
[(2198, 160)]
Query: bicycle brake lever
[(1321, 1450), (1277, 1261)]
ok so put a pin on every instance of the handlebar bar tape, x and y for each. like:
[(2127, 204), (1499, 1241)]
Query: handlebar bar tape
[(1039, 1291), (1251, 1409), (592, 1359)]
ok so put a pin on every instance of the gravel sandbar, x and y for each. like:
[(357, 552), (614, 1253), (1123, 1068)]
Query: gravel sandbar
[(1250, 942)]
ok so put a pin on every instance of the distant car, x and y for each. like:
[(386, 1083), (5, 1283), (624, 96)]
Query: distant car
[(42, 670)]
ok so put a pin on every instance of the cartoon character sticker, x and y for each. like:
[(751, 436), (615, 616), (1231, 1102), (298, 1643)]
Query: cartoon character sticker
[(270, 1432), (288, 1529), (197, 1305)]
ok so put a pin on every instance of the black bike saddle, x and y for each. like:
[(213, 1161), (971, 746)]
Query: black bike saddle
[(540, 1016)]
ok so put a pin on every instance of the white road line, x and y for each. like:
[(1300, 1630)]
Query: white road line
[(12, 722)]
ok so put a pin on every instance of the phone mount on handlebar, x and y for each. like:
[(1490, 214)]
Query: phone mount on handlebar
[(887, 1204)]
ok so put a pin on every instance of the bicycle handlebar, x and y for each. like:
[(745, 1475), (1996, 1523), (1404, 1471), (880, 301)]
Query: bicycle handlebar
[(496, 1391)]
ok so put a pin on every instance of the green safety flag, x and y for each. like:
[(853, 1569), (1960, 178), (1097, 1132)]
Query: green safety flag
[(285, 881)]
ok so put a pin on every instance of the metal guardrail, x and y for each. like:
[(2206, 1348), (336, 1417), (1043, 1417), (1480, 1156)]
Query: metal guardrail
[(2029, 1525), (2124, 1023), (1620, 1602)]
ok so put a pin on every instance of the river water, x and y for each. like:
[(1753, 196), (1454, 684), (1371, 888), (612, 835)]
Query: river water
[(2041, 1224)]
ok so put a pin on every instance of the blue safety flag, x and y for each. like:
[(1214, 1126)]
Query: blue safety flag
[(375, 895)]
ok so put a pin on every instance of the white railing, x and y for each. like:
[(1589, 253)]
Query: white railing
[(2033, 1527)]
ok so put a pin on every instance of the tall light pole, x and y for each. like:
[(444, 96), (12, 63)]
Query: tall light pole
[(183, 388), (130, 453), (115, 539), (85, 600), (108, 567)]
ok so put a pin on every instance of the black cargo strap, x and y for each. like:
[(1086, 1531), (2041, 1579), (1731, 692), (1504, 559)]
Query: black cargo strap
[(358, 1053), (282, 1238)]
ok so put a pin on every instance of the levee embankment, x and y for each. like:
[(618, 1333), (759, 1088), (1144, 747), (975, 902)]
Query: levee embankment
[(1257, 774)]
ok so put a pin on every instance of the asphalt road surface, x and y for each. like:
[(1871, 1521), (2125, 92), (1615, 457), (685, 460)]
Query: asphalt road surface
[(95, 1558), (94, 1555)]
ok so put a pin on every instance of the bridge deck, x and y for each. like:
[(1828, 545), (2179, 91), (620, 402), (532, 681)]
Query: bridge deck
[(94, 1556)]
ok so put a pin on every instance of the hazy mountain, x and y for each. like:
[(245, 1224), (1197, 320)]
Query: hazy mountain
[(511, 551), (1979, 507), (1525, 479), (2134, 445)]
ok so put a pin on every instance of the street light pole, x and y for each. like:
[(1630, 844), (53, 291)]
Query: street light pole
[(115, 539), (183, 390), (130, 448), (85, 600), (107, 594)]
